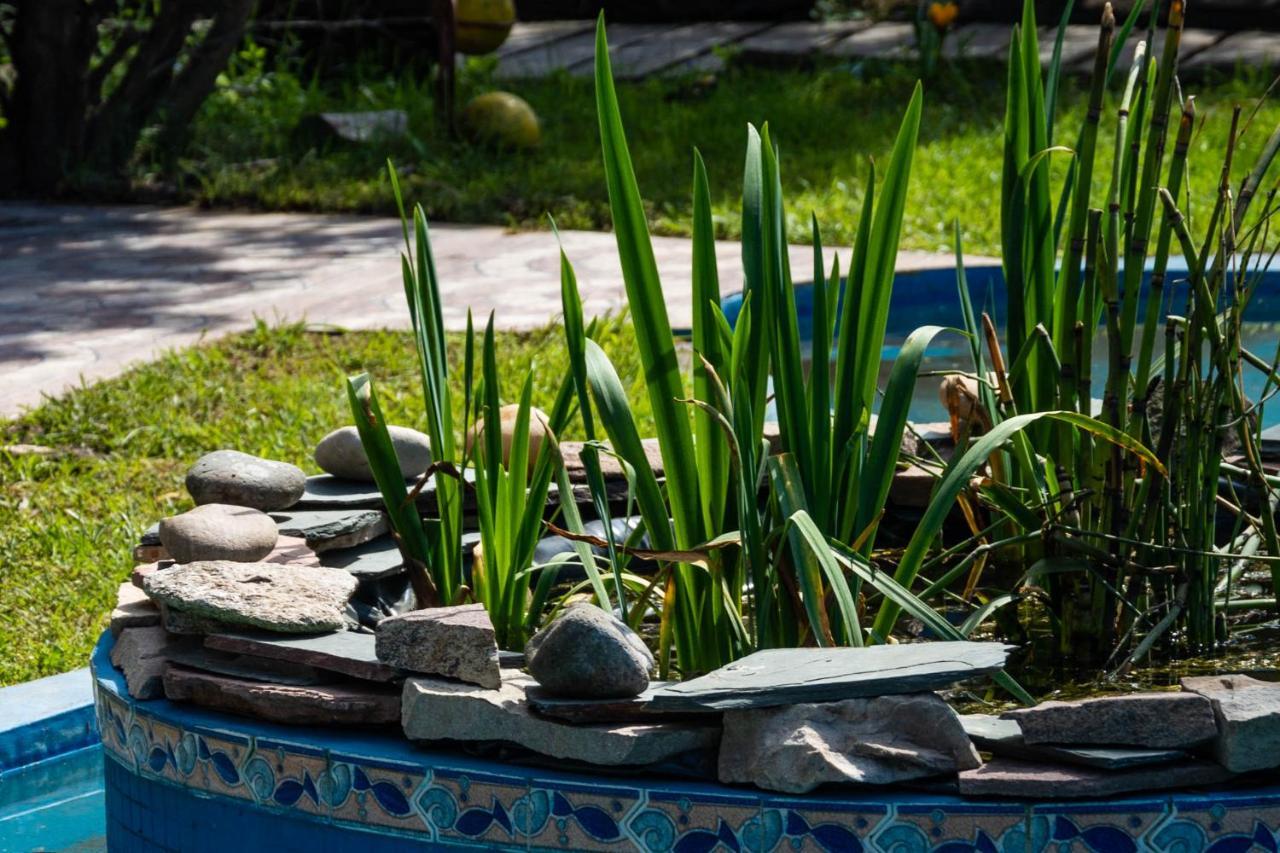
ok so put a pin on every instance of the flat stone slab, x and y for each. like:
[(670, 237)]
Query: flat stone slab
[(327, 491), (795, 40), (435, 709), (674, 47), (454, 642), (1156, 720), (287, 598), (133, 609), (180, 622), (377, 558), (1004, 738), (885, 40), (247, 667), (1025, 780), (882, 740), (321, 705), (142, 654), (637, 709), (346, 652), (1248, 48), (787, 676), (330, 529), (1248, 715)]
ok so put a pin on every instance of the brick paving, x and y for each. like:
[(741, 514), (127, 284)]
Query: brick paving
[(87, 291)]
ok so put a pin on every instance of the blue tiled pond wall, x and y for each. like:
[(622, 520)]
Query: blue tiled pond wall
[(178, 778)]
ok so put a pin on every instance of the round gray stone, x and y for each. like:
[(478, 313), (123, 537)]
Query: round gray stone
[(219, 532), (232, 477), (587, 653), (341, 454)]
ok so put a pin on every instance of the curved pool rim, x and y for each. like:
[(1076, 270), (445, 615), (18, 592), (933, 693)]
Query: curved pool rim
[(181, 778)]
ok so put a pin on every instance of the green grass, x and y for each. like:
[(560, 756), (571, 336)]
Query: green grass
[(827, 123), (68, 524)]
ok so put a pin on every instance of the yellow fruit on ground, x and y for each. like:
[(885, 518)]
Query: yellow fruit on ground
[(502, 119), (481, 26)]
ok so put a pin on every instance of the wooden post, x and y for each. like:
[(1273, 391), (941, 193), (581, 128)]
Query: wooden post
[(446, 29)]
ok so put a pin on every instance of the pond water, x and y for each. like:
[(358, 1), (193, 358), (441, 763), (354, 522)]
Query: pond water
[(929, 297), (56, 804)]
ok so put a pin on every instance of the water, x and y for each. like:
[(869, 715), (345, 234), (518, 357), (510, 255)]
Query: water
[(56, 804)]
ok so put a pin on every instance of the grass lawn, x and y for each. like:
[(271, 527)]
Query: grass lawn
[(68, 523), (827, 122)]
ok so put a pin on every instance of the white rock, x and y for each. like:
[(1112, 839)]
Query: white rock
[(341, 454)]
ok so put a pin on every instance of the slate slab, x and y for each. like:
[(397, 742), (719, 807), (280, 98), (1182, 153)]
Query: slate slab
[(435, 709), (347, 652), (247, 667), (1247, 48), (142, 654), (287, 598), (177, 621), (1008, 777), (885, 40), (1004, 738), (357, 127), (331, 529), (454, 642), (682, 44), (377, 558), (1155, 720), (882, 740), (786, 676), (133, 610), (351, 704), (1248, 715), (639, 709), (795, 40)]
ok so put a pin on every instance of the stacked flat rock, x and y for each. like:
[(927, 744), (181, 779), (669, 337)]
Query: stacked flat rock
[(586, 653), (1247, 712), (219, 532), (454, 642), (287, 598), (341, 453), (232, 477), (1152, 720)]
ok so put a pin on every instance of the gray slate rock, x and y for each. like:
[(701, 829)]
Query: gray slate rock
[(869, 741), (1008, 777), (219, 532), (350, 704), (356, 127), (133, 610), (787, 676), (346, 652), (1004, 738), (247, 667), (454, 642), (332, 529), (1248, 715), (291, 599), (341, 454), (434, 709), (232, 477), (142, 654), (377, 558), (586, 653), (1154, 720)]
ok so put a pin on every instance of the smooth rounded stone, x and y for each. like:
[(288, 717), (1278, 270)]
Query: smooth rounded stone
[(232, 477), (341, 454), (870, 741), (291, 599), (539, 429), (587, 653), (219, 532)]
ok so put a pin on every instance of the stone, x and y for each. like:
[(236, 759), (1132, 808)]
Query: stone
[(880, 740), (1155, 720), (539, 429), (352, 127), (1025, 780), (1004, 738), (638, 708), (346, 652), (610, 467), (142, 655), (232, 477), (377, 558), (139, 573), (1247, 712), (247, 667), (219, 532), (454, 642), (286, 598), (351, 704), (341, 454), (133, 610), (180, 622), (293, 551), (332, 529), (435, 709), (788, 676), (588, 653)]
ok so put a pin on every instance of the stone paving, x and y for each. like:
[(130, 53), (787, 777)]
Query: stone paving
[(87, 291)]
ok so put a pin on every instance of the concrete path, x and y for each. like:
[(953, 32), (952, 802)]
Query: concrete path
[(87, 291)]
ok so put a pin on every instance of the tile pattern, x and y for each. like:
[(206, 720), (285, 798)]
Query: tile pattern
[(283, 784)]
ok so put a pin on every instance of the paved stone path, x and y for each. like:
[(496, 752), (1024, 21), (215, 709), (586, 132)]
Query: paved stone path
[(540, 48), (87, 291)]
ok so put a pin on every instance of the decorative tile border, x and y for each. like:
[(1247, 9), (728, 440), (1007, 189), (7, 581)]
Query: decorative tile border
[(381, 784)]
